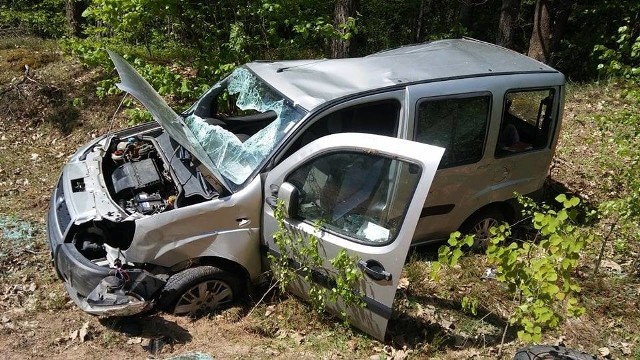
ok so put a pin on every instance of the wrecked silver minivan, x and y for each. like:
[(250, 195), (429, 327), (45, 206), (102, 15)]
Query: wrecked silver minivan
[(179, 213)]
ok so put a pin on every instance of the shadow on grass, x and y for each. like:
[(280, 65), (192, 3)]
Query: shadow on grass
[(442, 334), (552, 188), (151, 326), (64, 116)]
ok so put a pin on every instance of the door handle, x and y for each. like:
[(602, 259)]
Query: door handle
[(374, 270), (242, 222)]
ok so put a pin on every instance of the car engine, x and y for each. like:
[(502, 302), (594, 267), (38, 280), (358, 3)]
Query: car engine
[(137, 177)]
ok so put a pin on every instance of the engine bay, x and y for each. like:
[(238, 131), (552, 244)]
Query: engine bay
[(140, 180), (137, 178)]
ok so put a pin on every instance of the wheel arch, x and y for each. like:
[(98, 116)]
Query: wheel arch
[(221, 263), (506, 208)]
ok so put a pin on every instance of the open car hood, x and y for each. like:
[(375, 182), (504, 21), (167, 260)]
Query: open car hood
[(138, 87)]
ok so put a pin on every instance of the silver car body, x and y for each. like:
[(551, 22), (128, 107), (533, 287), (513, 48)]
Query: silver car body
[(130, 218)]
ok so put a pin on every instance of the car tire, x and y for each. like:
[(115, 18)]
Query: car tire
[(479, 224), (545, 352), (199, 290)]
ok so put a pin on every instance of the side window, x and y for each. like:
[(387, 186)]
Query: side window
[(362, 196), (380, 118), (457, 124), (527, 121)]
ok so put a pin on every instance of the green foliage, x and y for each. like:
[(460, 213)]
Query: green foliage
[(138, 116), (620, 211), (204, 33), (347, 276), (591, 22), (448, 255), (300, 257), (388, 24), (42, 18), (622, 129), (536, 270), (470, 305), (623, 59), (204, 40)]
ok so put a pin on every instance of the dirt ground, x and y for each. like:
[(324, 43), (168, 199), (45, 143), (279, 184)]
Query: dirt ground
[(48, 113)]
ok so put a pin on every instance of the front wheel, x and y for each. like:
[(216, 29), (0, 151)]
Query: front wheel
[(198, 290), (480, 224)]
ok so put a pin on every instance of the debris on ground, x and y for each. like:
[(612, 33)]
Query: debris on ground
[(489, 274), (134, 340), (84, 332), (14, 229), (611, 265), (156, 345), (604, 352), (551, 353), (192, 356)]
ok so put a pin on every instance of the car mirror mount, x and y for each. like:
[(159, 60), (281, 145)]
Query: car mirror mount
[(289, 194)]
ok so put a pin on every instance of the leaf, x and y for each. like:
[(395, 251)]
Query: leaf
[(436, 266), (453, 238), (552, 289), (573, 202), (562, 215), (457, 253), (468, 240)]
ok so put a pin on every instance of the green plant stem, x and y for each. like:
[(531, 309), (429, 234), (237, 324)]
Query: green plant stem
[(605, 241)]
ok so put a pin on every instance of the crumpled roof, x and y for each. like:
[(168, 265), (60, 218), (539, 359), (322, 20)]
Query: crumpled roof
[(310, 83)]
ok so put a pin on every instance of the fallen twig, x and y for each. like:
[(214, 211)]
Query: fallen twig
[(24, 79), (275, 283)]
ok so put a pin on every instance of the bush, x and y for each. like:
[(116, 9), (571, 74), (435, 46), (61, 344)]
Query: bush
[(41, 18), (536, 270)]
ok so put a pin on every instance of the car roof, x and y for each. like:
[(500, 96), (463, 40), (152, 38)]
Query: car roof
[(310, 83)]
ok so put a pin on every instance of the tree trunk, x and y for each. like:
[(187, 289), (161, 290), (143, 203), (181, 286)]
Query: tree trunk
[(74, 10), (540, 43), (340, 47), (508, 17), (464, 13), (425, 6), (562, 13)]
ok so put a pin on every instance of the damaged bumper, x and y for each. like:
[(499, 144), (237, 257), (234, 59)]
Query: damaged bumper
[(96, 289), (131, 306)]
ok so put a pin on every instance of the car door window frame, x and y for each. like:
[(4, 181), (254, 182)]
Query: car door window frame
[(487, 126), (397, 96), (392, 184)]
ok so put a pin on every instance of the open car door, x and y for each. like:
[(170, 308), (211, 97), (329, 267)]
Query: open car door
[(366, 193)]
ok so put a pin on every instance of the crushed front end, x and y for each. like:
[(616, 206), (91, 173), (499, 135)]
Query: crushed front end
[(102, 190)]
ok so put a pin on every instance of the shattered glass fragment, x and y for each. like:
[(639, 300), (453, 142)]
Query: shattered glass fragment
[(234, 159)]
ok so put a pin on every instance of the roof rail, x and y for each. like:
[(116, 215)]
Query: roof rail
[(492, 44)]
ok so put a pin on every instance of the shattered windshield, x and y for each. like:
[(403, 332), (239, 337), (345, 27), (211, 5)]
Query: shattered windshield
[(239, 122)]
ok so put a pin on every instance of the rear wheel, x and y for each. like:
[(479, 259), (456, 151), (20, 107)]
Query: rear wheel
[(199, 290), (480, 224)]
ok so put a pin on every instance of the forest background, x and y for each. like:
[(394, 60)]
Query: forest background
[(65, 96)]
